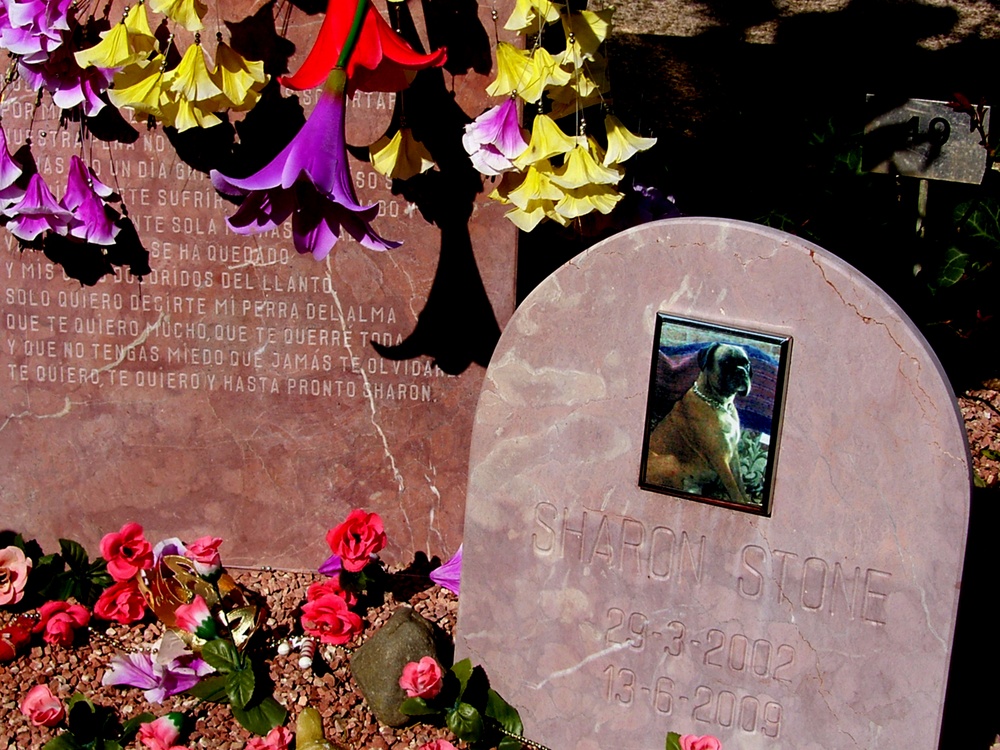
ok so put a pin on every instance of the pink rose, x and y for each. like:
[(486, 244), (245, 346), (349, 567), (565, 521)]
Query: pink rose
[(357, 539), (162, 733), (59, 621), (278, 738), (329, 619), (42, 708), (204, 553), (438, 745), (121, 602), (331, 586), (707, 742), (422, 679), (14, 568), (127, 552)]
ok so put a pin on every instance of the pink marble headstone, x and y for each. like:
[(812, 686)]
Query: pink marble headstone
[(610, 615)]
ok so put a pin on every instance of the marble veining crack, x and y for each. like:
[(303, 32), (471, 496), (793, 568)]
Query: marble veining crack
[(579, 665), (139, 340)]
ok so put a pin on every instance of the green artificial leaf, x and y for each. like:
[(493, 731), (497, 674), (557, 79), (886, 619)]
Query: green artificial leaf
[(262, 717), (465, 722), (991, 454), (463, 671), (211, 689), (65, 741), (978, 481), (240, 685), (673, 741), (503, 713), (417, 707), (222, 655), (952, 269), (75, 555), (131, 727)]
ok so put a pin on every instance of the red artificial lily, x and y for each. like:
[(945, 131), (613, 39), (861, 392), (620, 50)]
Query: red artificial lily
[(382, 60)]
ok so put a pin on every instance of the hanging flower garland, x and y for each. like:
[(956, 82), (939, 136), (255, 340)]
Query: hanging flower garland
[(552, 174)]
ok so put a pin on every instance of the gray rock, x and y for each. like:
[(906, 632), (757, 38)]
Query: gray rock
[(378, 663)]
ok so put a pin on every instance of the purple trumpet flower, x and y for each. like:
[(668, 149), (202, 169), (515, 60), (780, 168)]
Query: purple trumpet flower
[(36, 212), (494, 139), (33, 28), (449, 575), (309, 181), (85, 194), (157, 678), (331, 566)]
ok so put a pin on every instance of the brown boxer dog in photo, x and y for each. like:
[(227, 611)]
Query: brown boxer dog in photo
[(696, 442)]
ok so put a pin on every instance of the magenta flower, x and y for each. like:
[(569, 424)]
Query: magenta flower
[(196, 618), (309, 181), (92, 220), (331, 566), (157, 678), (494, 139), (37, 211), (34, 28), (449, 575)]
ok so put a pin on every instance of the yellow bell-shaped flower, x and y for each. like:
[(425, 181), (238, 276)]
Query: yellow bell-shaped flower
[(585, 31), (510, 181), (127, 42), (537, 186), (185, 115), (188, 13), (528, 13), (622, 143), (544, 73), (547, 140), (514, 66), (139, 86), (190, 79), (583, 200), (137, 23), (240, 80), (581, 168), (528, 220), (400, 157)]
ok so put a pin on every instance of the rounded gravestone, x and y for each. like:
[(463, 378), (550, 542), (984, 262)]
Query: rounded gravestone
[(815, 612)]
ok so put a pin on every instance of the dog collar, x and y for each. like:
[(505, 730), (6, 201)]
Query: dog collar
[(718, 403)]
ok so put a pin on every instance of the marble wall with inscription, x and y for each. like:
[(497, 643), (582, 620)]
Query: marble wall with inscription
[(235, 389), (621, 613)]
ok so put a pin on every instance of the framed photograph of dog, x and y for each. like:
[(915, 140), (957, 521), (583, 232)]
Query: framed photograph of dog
[(713, 413)]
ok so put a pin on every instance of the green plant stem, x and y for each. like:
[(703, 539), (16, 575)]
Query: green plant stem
[(352, 36)]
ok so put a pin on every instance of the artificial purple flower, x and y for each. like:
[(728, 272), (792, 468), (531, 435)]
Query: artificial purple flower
[(36, 212), (92, 220), (170, 546), (310, 181), (331, 566), (34, 28), (170, 672), (449, 575), (494, 139)]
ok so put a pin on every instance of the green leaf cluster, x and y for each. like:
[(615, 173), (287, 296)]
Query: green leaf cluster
[(673, 741), (93, 727), (66, 574), (236, 682)]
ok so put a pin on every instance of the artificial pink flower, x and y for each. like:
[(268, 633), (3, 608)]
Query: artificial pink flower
[(196, 618), (438, 745), (121, 602), (705, 742), (204, 553), (332, 586), (93, 221), (278, 738), (162, 733), (381, 61), (59, 621), (329, 619), (14, 569), (357, 539), (42, 708), (37, 211), (422, 679), (310, 181), (495, 138), (127, 552)]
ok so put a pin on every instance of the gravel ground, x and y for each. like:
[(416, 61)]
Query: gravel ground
[(328, 686)]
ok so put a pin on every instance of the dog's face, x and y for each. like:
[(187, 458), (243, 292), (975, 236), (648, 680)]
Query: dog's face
[(728, 369)]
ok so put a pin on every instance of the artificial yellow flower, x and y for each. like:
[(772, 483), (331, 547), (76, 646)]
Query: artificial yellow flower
[(188, 13), (139, 86), (526, 12), (581, 168), (513, 67), (191, 80), (544, 73), (622, 144), (583, 200), (184, 114), (510, 181), (585, 31), (528, 220), (127, 42), (240, 80), (537, 186), (400, 157), (547, 140)]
